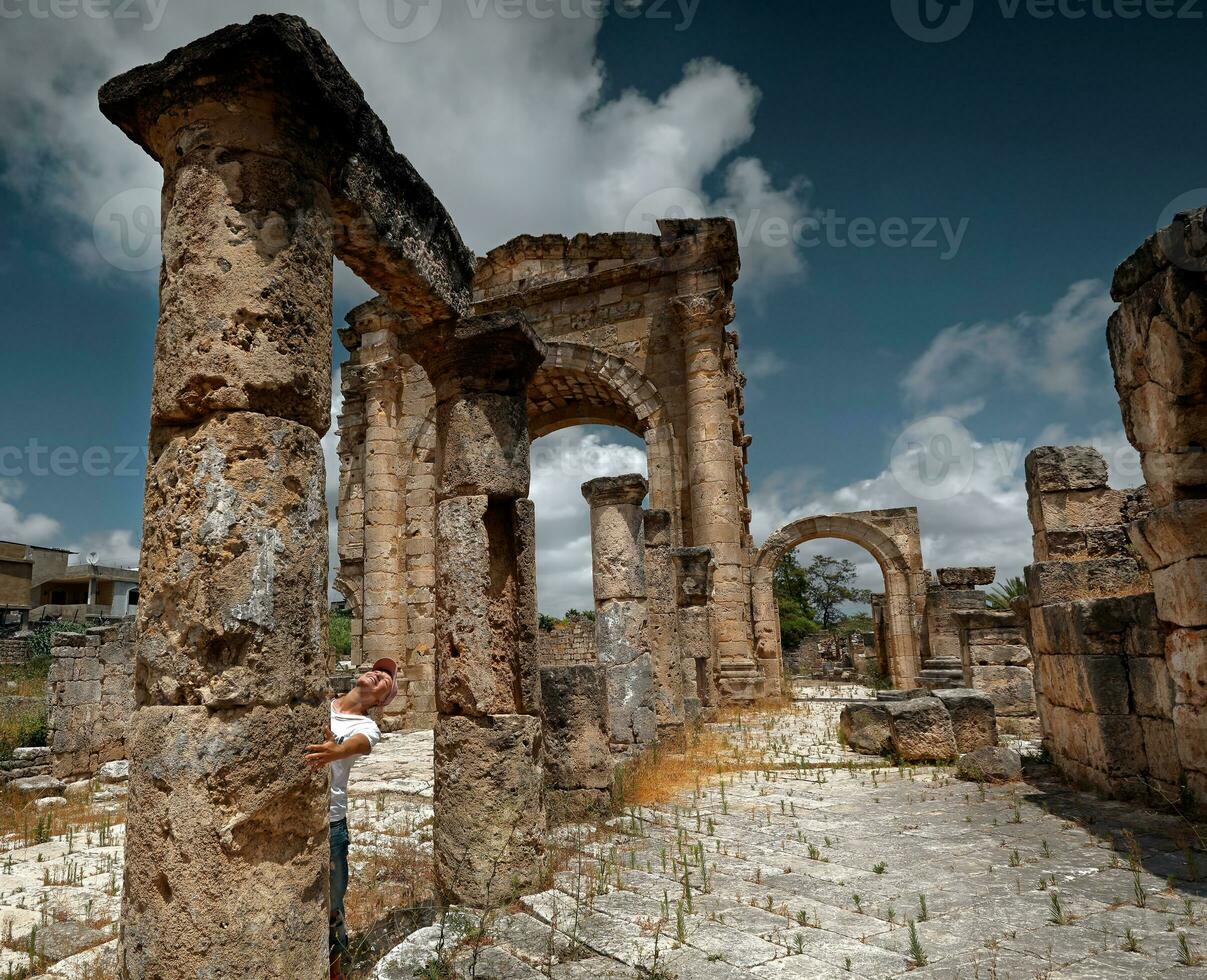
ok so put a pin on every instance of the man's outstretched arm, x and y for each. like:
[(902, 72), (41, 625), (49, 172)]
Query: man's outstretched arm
[(325, 753)]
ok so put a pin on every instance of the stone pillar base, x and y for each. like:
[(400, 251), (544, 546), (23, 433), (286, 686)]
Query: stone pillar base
[(578, 805), (489, 808), (692, 708)]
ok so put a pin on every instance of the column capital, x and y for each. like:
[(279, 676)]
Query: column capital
[(709, 308), (603, 491), (497, 353)]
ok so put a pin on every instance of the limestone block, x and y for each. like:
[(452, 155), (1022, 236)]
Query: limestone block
[(1008, 654), (245, 294), (1075, 510), (1051, 468), (1065, 581), (490, 824), (1190, 723), (990, 764), (526, 612), (972, 717), (1095, 625), (921, 730), (866, 727), (482, 442), (1086, 683), (617, 536), (1152, 687), (576, 728), (1161, 749), (964, 578), (477, 640), (1012, 689), (1171, 534), (36, 786), (621, 631), (692, 575), (226, 826), (1116, 744), (1181, 591), (234, 572), (631, 716), (1187, 661)]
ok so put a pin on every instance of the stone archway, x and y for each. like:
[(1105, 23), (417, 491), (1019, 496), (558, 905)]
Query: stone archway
[(583, 385), (892, 538)]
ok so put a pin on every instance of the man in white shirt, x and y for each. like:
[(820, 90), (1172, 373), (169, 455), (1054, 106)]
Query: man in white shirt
[(351, 733)]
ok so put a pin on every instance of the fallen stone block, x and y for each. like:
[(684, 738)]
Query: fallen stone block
[(972, 717), (921, 730), (39, 786), (117, 771), (865, 727), (990, 764)]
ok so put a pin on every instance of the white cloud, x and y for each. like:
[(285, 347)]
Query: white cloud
[(24, 528), (117, 547), (504, 116), (1056, 353), (561, 463), (761, 362)]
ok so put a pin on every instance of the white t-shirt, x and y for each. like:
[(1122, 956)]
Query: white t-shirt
[(344, 726)]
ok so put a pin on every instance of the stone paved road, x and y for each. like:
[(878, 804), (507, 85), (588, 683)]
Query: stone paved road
[(800, 872)]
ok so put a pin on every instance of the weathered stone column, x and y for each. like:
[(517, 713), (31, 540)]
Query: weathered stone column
[(766, 617), (490, 818), (383, 614), (621, 615), (693, 572), (1158, 345), (716, 498), (663, 633), (226, 858)]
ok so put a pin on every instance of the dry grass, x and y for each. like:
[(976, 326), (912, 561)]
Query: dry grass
[(661, 775), (21, 825), (395, 875), (22, 707)]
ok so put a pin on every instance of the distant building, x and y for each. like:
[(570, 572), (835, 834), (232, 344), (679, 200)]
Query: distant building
[(43, 583)]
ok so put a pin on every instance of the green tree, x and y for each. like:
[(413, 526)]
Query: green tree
[(831, 584), (1001, 595), (792, 596)]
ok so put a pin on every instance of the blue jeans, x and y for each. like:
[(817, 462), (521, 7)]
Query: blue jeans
[(337, 935)]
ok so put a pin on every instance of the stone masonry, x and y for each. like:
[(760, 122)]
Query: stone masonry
[(1158, 345), (490, 820), (693, 574), (1104, 690), (90, 698), (231, 672), (635, 331), (662, 631), (621, 613), (569, 644), (997, 661)]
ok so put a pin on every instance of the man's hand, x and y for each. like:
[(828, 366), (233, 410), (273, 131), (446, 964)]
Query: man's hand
[(325, 753)]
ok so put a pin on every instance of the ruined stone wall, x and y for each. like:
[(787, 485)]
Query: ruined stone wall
[(90, 697), (1104, 691), (569, 644), (951, 590), (635, 330), (14, 650), (1158, 346), (997, 661)]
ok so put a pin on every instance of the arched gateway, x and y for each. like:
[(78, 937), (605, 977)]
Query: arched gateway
[(892, 538), (634, 332)]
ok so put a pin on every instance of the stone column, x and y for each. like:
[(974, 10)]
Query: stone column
[(1158, 345), (226, 858), (383, 615), (716, 498), (766, 616), (489, 781), (663, 634), (621, 615), (693, 571)]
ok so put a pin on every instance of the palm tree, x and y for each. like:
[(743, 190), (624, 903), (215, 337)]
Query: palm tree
[(1001, 595)]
